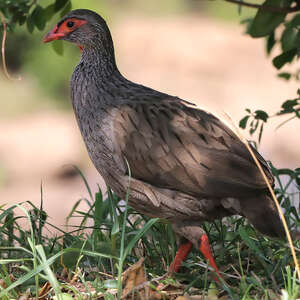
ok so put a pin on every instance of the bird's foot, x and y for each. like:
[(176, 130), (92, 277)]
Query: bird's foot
[(186, 248), (206, 251), (181, 255)]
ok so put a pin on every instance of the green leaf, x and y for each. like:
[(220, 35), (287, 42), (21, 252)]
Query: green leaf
[(49, 12), (78, 170), (284, 75), (22, 20), (59, 4), (294, 212), (261, 115), (29, 274), (289, 38), (284, 58), (110, 284), (58, 47), (98, 215), (248, 23), (266, 21), (70, 259), (47, 263), (65, 296), (109, 296), (30, 24), (285, 171), (295, 21), (271, 41), (50, 275), (38, 17), (66, 9), (260, 132), (289, 104), (138, 235), (297, 178), (114, 216), (254, 126), (249, 242), (243, 122)]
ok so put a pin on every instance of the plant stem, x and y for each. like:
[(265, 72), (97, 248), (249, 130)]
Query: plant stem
[(274, 9)]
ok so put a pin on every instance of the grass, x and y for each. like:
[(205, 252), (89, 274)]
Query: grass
[(89, 260)]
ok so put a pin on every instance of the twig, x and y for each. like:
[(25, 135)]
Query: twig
[(285, 121), (205, 266), (144, 285), (3, 48), (274, 9)]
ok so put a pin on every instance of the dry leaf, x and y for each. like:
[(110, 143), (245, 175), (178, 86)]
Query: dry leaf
[(44, 291), (134, 277)]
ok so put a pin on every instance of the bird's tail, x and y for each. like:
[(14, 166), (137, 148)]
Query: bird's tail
[(263, 214)]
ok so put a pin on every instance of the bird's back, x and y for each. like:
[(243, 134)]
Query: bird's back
[(180, 158)]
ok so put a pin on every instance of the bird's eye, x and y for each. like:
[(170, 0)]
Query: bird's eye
[(70, 24)]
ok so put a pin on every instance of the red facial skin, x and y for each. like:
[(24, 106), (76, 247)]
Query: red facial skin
[(63, 30)]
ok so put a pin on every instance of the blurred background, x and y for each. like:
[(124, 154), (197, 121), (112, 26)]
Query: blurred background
[(189, 48)]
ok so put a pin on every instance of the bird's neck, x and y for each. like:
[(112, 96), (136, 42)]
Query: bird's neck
[(101, 58), (94, 77)]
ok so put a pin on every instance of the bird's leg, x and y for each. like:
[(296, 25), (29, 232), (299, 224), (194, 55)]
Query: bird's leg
[(206, 251), (192, 235), (180, 256)]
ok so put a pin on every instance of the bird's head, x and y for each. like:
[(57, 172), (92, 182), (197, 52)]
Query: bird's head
[(82, 27)]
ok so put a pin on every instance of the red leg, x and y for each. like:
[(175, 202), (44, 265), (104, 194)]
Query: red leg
[(205, 249), (181, 255)]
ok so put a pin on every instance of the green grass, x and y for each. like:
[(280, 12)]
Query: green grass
[(253, 266)]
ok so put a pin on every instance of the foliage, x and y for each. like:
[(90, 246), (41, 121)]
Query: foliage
[(271, 14), (31, 13), (88, 258), (257, 119), (277, 22), (279, 28)]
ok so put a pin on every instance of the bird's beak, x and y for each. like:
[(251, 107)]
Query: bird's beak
[(53, 35)]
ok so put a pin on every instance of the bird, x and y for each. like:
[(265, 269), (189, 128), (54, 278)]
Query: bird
[(177, 161)]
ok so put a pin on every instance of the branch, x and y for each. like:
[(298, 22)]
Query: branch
[(3, 47), (274, 9)]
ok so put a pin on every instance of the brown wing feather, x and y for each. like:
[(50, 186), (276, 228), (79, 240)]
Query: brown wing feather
[(171, 145)]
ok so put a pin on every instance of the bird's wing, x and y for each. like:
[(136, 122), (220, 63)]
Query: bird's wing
[(171, 145)]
